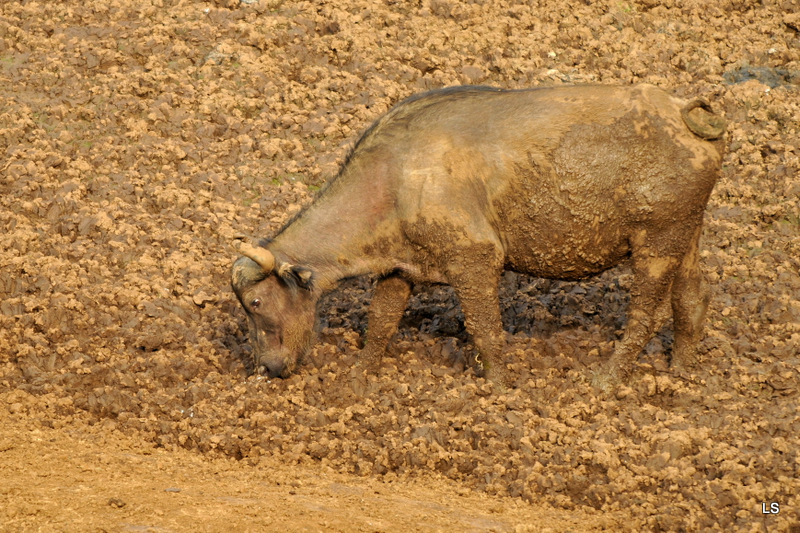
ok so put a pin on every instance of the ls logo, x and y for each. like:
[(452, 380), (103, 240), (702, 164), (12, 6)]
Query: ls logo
[(770, 508)]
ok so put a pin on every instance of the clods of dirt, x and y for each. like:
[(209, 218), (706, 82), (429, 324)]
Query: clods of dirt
[(138, 140)]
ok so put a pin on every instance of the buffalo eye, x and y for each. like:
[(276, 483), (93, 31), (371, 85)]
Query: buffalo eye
[(255, 303)]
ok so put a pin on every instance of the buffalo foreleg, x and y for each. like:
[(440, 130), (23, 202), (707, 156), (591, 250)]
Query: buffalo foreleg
[(476, 285), (385, 311)]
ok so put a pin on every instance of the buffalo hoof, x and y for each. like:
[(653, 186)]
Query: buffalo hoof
[(607, 378), (685, 360), (358, 379), (501, 379)]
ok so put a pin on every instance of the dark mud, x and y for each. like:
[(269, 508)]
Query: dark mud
[(139, 139)]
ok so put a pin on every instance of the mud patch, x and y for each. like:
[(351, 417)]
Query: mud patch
[(771, 77)]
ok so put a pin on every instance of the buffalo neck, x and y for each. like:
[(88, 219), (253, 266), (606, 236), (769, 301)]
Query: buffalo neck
[(336, 235)]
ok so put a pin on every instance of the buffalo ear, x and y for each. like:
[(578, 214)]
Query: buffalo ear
[(303, 276), (297, 275)]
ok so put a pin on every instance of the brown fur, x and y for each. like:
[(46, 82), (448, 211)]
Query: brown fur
[(457, 185)]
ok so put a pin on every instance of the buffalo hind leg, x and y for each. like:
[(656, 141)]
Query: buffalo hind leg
[(385, 311), (652, 280), (690, 297)]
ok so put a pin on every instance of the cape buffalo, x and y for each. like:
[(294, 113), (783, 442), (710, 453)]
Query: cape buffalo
[(455, 185)]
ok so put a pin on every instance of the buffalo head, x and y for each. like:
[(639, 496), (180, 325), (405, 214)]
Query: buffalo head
[(280, 306)]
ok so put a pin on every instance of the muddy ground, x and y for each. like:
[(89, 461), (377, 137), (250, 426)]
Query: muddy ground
[(137, 139)]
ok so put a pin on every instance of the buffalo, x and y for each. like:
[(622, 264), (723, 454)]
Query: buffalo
[(455, 185)]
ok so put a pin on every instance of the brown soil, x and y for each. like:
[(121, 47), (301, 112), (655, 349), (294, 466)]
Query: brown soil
[(140, 138)]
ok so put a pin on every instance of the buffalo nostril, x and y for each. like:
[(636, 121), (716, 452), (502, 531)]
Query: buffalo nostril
[(271, 371), (275, 372)]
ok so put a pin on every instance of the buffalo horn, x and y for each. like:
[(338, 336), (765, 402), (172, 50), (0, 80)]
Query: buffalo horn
[(262, 256)]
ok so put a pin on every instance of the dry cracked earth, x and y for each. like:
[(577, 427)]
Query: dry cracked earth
[(138, 139)]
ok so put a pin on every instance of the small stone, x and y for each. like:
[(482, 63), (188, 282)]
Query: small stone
[(116, 503), (201, 298)]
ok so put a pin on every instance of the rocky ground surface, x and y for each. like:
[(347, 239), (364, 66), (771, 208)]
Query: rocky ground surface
[(138, 139)]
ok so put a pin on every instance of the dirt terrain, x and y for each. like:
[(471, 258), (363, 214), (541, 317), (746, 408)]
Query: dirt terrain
[(139, 139)]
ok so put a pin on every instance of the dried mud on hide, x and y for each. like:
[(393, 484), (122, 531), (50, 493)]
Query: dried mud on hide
[(138, 139)]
